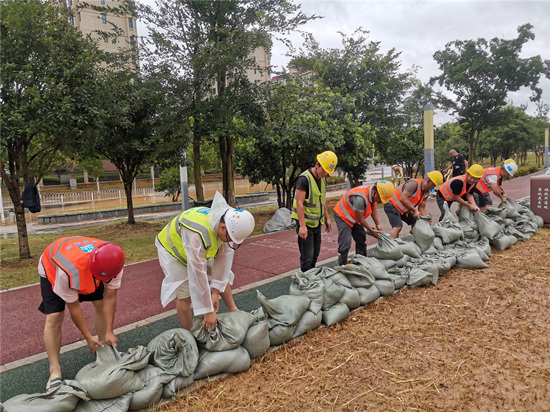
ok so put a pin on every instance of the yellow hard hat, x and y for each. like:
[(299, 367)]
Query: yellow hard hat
[(386, 190), (476, 170), (436, 177), (328, 161)]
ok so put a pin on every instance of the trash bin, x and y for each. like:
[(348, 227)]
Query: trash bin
[(540, 197)]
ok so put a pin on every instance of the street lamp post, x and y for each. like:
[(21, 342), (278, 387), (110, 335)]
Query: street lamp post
[(428, 138)]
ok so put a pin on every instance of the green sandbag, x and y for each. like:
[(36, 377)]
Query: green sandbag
[(333, 294), (284, 310), (423, 233), (279, 334), (175, 351), (373, 266), (486, 226), (502, 242), (511, 207), (387, 248), (357, 275), (312, 287), (228, 334), (388, 263), (64, 398), (438, 243), (470, 260), (120, 404), (409, 248), (448, 229), (340, 279), (308, 321), (386, 287), (113, 374), (155, 378), (256, 341), (335, 314), (229, 361), (368, 295), (351, 298), (178, 383), (399, 278), (418, 277), (466, 218), (496, 211)]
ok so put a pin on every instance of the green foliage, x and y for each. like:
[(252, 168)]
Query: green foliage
[(92, 165), (169, 182), (481, 73)]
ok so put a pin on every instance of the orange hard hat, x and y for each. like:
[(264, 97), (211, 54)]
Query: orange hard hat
[(106, 261)]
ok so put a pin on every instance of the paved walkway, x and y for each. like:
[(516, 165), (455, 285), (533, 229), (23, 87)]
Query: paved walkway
[(260, 259)]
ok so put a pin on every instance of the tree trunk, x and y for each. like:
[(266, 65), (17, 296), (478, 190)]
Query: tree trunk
[(226, 143), (129, 201), (197, 167), (472, 149), (24, 249)]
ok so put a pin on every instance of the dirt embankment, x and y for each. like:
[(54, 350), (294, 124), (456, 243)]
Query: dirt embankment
[(478, 341)]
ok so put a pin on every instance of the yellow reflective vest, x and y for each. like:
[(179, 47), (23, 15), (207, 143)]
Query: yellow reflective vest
[(196, 220), (314, 204)]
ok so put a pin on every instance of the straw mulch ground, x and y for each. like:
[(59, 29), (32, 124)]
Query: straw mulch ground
[(478, 341)]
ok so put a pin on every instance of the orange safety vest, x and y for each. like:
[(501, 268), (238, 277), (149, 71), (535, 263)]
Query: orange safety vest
[(416, 198), (345, 210), (72, 255), (483, 185), (446, 191)]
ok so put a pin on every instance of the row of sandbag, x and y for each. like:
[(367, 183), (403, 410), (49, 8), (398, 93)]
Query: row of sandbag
[(176, 358)]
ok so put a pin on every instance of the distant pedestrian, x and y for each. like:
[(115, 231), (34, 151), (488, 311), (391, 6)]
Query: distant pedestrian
[(459, 189), (196, 254), (309, 208), (491, 181), (73, 270), (409, 201), (350, 216), (459, 164)]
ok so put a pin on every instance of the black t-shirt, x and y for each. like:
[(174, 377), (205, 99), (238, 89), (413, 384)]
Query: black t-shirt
[(302, 183), (457, 185), (458, 165)]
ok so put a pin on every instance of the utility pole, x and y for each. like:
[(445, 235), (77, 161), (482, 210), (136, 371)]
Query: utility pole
[(428, 138)]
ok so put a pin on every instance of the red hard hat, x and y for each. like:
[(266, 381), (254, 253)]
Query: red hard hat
[(106, 261)]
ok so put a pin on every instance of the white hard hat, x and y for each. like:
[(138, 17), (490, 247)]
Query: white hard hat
[(240, 224), (511, 167)]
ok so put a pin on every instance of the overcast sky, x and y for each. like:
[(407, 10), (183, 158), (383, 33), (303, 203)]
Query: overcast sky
[(418, 28)]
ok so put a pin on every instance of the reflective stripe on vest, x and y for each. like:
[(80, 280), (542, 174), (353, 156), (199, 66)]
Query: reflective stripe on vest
[(483, 185), (72, 255), (446, 191), (344, 208), (196, 220), (416, 198), (313, 211)]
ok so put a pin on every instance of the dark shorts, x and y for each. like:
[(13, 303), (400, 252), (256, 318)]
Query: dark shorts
[(481, 200), (395, 218), (52, 303)]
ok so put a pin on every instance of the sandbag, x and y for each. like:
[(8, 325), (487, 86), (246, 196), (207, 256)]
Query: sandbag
[(64, 398), (177, 384), (312, 287), (470, 260), (351, 298), (284, 310), (228, 334), (308, 321), (280, 220), (340, 279), (486, 226), (438, 243), (113, 374), (423, 233), (402, 262), (409, 248), (333, 294), (418, 277), (388, 263), (511, 207), (399, 279), (256, 341), (155, 378), (387, 248), (120, 404), (466, 218), (229, 361), (448, 229), (372, 265), (385, 287), (502, 242), (368, 295), (175, 351), (279, 334), (336, 313), (357, 275)]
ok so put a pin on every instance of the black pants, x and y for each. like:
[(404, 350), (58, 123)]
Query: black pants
[(309, 247)]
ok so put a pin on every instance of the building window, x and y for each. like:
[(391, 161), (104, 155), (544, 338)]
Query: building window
[(132, 41), (104, 18), (69, 3), (130, 23), (106, 39), (71, 20), (102, 1), (79, 16)]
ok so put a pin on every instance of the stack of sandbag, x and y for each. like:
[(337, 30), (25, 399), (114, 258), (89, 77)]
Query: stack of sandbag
[(383, 280), (64, 398), (281, 220), (424, 235), (312, 287), (220, 347), (256, 341)]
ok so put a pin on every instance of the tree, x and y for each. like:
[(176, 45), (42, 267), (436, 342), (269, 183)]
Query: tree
[(300, 123), (127, 136), (93, 166), (49, 94), (209, 44), (481, 73)]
